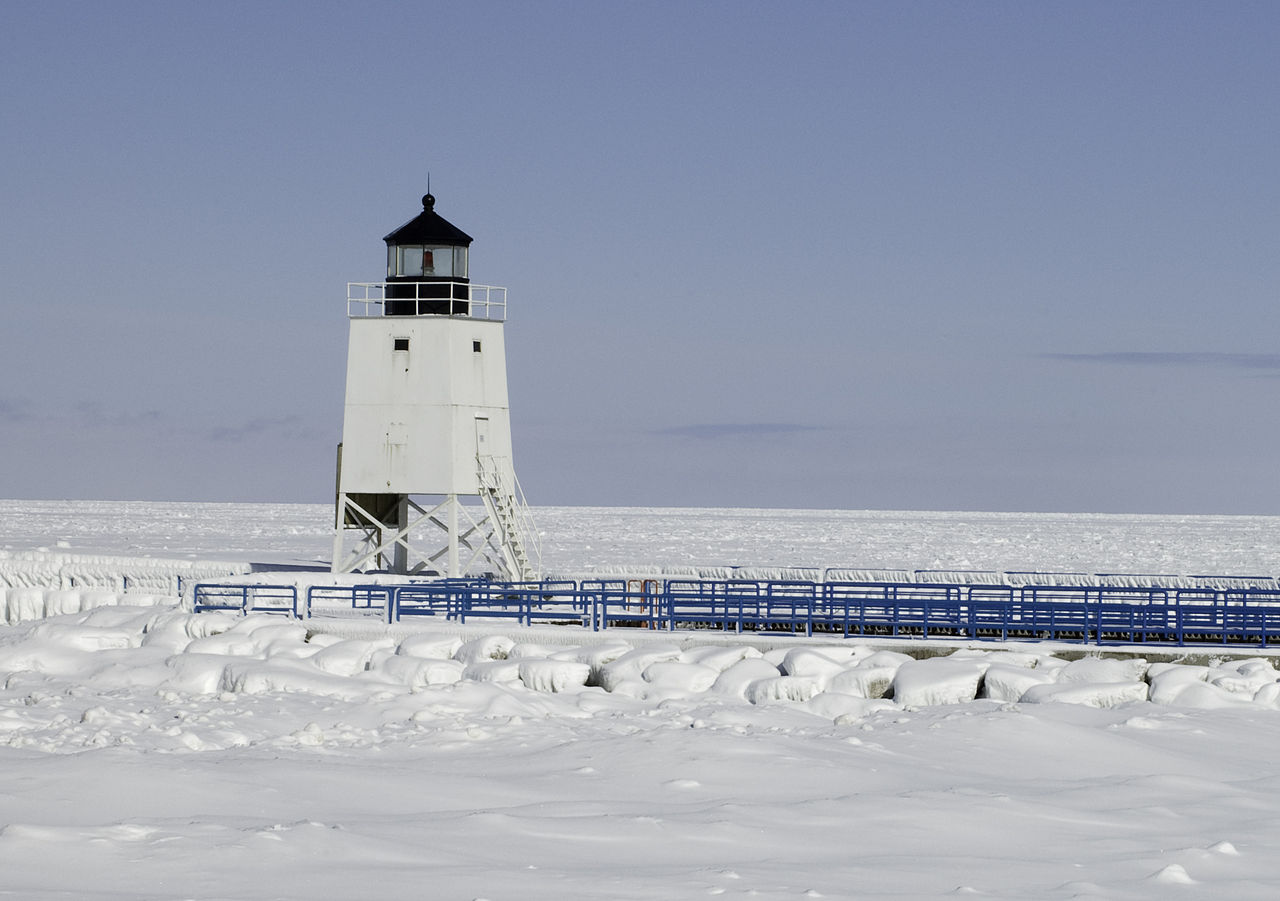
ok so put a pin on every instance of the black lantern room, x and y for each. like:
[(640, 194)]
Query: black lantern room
[(427, 266)]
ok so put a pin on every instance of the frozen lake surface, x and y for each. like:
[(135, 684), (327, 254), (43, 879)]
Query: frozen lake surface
[(584, 538), (148, 753)]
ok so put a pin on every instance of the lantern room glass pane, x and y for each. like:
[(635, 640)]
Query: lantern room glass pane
[(439, 261), (410, 262)]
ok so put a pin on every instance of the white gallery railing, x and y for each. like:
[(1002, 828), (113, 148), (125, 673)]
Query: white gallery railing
[(366, 299)]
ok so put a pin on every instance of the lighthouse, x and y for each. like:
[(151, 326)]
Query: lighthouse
[(426, 484)]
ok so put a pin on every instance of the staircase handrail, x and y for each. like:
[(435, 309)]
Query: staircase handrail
[(524, 535)]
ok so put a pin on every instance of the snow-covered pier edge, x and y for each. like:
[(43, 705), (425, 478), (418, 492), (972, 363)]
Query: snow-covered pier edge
[(64, 571), (38, 584)]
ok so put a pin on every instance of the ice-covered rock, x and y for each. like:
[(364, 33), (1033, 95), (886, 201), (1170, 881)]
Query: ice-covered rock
[(196, 674), (255, 677), (1268, 695), (595, 656), (1243, 677), (789, 689), (735, 680), (1101, 670), (1004, 658), (84, 638), (229, 644), (278, 636), (553, 675), (816, 664), (346, 658), (489, 647), (680, 676), (885, 658), (1106, 694), (527, 650), (429, 645), (868, 679), (1206, 696), (1004, 682), (420, 672), (938, 680), (492, 671), (719, 658), (1168, 680), (844, 709), (630, 666)]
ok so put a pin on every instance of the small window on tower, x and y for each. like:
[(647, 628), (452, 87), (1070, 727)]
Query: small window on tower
[(475, 346), (401, 344)]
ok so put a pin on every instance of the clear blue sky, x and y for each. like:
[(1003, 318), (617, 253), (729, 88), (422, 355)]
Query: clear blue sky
[(965, 256)]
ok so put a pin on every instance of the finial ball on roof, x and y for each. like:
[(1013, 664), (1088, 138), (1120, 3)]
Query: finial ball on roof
[(428, 201)]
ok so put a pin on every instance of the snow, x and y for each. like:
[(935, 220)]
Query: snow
[(146, 752), (585, 539)]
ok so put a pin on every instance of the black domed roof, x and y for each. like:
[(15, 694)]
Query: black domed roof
[(429, 227)]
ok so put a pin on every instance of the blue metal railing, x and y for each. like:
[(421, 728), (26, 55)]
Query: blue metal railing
[(1095, 614), (281, 599), (461, 599)]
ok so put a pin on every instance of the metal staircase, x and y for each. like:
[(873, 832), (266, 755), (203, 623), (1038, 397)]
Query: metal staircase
[(504, 500)]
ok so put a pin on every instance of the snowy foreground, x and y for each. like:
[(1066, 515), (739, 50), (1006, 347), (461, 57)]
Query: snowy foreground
[(147, 753)]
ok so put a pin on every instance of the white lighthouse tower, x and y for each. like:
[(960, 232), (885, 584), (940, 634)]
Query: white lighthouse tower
[(425, 479)]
